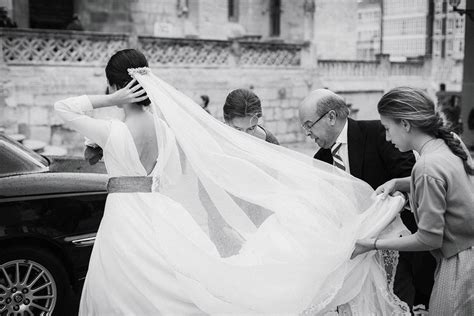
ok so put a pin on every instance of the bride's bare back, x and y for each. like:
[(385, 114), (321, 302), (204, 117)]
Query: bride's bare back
[(142, 129)]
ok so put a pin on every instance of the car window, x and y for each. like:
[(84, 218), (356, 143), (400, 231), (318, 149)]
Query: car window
[(16, 158)]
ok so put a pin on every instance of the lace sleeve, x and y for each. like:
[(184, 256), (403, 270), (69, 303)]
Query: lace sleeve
[(71, 111)]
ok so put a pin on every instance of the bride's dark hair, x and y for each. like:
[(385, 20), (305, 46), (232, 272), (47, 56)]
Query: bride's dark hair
[(116, 70)]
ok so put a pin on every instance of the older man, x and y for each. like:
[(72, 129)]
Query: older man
[(360, 148)]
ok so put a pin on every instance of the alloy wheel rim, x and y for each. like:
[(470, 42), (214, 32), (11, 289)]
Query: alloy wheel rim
[(26, 288)]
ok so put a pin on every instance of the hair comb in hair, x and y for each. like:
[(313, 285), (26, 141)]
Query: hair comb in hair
[(141, 71)]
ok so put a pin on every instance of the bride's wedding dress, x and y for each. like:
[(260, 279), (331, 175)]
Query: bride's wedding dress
[(234, 225)]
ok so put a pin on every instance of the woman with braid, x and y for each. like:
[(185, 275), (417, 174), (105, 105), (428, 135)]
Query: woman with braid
[(441, 189)]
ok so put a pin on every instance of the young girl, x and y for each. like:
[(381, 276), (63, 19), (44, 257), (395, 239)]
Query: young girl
[(242, 109), (441, 189)]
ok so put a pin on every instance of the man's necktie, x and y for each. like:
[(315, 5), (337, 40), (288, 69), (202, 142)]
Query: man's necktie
[(337, 160)]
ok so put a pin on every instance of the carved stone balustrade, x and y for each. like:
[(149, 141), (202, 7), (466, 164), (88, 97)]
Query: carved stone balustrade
[(356, 68), (348, 68), (24, 46), (270, 54), (407, 69), (58, 47), (175, 52)]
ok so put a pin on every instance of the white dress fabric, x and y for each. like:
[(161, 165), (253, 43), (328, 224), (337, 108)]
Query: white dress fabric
[(127, 274), (235, 226)]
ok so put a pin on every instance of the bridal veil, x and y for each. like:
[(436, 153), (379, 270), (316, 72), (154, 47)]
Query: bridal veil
[(272, 230)]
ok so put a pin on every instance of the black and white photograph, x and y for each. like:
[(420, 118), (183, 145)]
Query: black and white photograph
[(237, 157)]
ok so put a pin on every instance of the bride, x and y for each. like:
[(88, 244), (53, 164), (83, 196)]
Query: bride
[(175, 170)]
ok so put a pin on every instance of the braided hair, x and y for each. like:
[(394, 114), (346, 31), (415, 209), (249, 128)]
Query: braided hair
[(416, 107)]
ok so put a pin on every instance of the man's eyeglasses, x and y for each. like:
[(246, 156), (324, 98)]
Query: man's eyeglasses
[(307, 126)]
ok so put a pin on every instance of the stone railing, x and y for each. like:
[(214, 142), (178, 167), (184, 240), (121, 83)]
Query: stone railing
[(269, 54), (18, 46), (173, 51), (58, 47), (407, 69), (348, 68), (362, 68)]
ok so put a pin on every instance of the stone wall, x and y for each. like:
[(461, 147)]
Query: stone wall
[(180, 18), (105, 15), (448, 71), (362, 83), (335, 34), (253, 16), (34, 89), (206, 19), (143, 17), (40, 68)]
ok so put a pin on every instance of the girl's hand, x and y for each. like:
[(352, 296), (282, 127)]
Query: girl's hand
[(363, 246), (386, 189), (129, 94)]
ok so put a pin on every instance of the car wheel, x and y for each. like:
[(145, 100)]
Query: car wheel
[(33, 282)]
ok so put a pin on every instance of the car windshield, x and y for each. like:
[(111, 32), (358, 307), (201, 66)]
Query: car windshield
[(16, 158)]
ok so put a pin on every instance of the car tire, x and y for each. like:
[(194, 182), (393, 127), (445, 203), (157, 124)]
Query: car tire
[(44, 267)]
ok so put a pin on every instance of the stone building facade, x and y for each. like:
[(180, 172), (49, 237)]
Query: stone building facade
[(281, 20), (72, 64), (280, 49), (407, 26), (369, 24), (448, 31), (448, 44), (201, 47), (335, 32)]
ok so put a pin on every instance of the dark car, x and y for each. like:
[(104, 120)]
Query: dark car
[(50, 210)]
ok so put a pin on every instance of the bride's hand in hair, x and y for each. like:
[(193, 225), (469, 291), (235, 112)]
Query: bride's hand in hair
[(129, 94)]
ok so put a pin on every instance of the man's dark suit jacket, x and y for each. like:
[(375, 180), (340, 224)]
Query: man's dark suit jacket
[(371, 158)]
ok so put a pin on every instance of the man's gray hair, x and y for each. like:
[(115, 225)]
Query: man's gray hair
[(333, 102)]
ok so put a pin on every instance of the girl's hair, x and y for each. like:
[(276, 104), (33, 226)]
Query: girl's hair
[(242, 103), (416, 107), (116, 70)]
